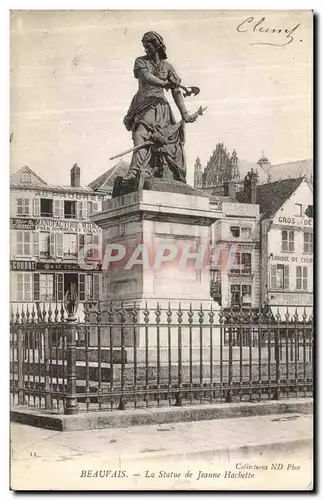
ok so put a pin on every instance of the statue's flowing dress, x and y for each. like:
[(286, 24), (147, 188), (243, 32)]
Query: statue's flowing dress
[(150, 112)]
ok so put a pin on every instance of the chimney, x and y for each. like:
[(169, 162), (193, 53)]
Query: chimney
[(75, 176), (250, 187), (229, 189)]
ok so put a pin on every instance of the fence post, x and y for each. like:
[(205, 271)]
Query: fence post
[(20, 360), (47, 353), (71, 405), (277, 359), (71, 303)]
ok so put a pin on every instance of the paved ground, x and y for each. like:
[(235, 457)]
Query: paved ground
[(159, 456)]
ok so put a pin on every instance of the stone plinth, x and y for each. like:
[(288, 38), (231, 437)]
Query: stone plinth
[(156, 249)]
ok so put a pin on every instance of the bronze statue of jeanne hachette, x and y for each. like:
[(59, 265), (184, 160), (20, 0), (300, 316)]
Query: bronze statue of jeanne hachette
[(158, 140)]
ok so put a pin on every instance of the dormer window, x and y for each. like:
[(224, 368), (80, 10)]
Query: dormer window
[(25, 178)]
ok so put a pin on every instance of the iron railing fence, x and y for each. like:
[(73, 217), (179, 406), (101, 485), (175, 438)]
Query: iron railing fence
[(123, 356)]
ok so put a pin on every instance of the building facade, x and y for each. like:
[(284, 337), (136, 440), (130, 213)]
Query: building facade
[(49, 227), (235, 273), (287, 244)]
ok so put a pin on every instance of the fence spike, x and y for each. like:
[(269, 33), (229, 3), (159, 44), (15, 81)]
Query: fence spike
[(12, 316), (179, 313), (287, 316), (211, 315), (27, 315), (169, 314), (23, 316), (146, 313), (296, 317), (304, 316), (49, 314), (134, 312), (33, 315), (39, 316), (190, 314), (56, 313), (158, 313), (44, 314), (17, 315), (62, 311)]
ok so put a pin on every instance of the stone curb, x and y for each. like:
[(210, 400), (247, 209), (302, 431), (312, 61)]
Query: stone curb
[(241, 449), (150, 416)]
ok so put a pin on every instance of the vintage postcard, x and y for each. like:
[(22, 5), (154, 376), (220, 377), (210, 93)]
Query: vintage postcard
[(161, 250)]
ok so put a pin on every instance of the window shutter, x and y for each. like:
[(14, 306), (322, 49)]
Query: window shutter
[(36, 206), (61, 208), (19, 242), (20, 286), (286, 277), (27, 287), (57, 206), (27, 206), (84, 209), (79, 210), (27, 242), (59, 244), (59, 287), (274, 277), (36, 287), (36, 243), (304, 278), (96, 250), (82, 287), (96, 286), (19, 206), (52, 244)]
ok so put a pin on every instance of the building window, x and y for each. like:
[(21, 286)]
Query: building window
[(301, 278), (47, 289), (25, 178), (279, 277), (46, 207), (70, 245), (24, 243), (240, 295), (23, 206), (299, 209), (89, 287), (288, 241), (308, 242), (246, 232), (235, 231), (44, 244), (69, 209), (23, 292), (242, 263), (93, 251)]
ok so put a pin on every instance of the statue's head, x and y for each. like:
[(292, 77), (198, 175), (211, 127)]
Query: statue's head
[(153, 42)]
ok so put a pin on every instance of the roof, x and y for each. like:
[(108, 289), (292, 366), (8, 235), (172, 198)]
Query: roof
[(106, 180), (292, 170), (245, 166), (53, 187), (271, 196), (34, 179)]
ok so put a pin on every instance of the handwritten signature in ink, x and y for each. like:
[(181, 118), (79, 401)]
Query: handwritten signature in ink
[(285, 35)]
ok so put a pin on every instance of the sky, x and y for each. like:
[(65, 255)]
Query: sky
[(71, 82)]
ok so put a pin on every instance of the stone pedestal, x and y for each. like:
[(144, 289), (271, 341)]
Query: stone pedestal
[(156, 249)]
